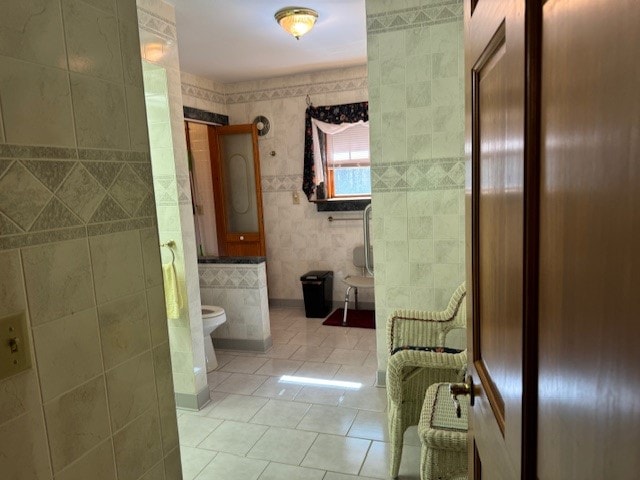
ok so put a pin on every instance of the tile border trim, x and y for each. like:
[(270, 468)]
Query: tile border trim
[(203, 93), (151, 22), (35, 152), (431, 174), (9, 242), (232, 276), (446, 11), (300, 90), (281, 183)]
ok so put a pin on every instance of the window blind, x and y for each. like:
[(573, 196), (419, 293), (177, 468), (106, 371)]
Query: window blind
[(349, 148)]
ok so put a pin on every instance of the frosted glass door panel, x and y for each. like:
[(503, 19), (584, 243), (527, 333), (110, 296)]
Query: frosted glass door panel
[(239, 183)]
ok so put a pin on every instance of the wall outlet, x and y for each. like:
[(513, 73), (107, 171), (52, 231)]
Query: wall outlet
[(295, 196), (15, 351)]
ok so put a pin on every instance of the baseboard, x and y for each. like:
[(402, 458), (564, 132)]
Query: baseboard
[(296, 303), (286, 302), (361, 305), (193, 401), (243, 344), (381, 378)]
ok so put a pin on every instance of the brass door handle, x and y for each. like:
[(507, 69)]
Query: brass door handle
[(456, 389)]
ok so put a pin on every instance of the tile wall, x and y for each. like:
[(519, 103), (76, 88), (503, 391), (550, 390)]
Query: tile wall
[(298, 237), (416, 93), (79, 249), (202, 93), (156, 21), (242, 291)]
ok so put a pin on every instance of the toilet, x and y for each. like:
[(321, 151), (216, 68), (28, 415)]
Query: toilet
[(212, 318)]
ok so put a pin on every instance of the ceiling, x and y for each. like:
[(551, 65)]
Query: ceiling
[(237, 40)]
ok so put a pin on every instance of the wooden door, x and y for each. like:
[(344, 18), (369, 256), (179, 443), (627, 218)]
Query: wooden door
[(235, 168), (495, 106), (589, 306)]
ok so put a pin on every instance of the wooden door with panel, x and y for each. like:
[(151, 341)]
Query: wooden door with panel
[(495, 192), (235, 170)]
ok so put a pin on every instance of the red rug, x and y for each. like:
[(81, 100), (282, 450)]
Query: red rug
[(355, 318)]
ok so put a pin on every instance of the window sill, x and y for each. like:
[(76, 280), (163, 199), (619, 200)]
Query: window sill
[(342, 205)]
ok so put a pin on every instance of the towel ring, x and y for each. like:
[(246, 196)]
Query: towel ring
[(170, 244)]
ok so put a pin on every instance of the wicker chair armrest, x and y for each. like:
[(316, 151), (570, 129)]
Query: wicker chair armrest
[(420, 358), (416, 328), (403, 360), (453, 441)]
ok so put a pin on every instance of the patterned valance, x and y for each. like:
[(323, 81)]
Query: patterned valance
[(336, 114)]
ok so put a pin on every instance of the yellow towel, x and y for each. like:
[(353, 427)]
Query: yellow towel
[(171, 292)]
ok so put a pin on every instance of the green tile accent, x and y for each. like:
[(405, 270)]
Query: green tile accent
[(81, 192), (39, 238), (120, 226), (4, 164), (7, 227), (143, 170), (112, 155), (16, 186), (104, 172), (147, 207), (108, 211), (128, 190), (22, 151), (49, 172), (55, 215)]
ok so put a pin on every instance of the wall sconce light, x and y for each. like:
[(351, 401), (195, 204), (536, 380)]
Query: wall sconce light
[(296, 20)]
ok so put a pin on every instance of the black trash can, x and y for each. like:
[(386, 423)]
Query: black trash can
[(317, 288)]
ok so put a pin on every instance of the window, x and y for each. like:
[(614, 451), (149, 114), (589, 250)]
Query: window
[(348, 161), (336, 162)]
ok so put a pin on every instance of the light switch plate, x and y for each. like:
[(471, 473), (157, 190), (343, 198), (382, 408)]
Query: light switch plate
[(296, 198), (15, 351)]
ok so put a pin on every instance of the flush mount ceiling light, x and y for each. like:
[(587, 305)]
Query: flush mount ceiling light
[(296, 20), (154, 51)]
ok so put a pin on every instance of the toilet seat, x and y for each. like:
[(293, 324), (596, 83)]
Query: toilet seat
[(211, 311)]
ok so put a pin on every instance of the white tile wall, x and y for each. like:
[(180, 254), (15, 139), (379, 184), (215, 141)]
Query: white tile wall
[(242, 291), (75, 229), (171, 183), (415, 60)]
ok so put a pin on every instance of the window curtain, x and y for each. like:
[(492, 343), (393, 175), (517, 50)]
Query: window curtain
[(313, 171)]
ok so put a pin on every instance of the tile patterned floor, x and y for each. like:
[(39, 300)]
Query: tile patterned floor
[(259, 428)]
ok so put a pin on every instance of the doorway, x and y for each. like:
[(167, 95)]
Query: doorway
[(226, 189)]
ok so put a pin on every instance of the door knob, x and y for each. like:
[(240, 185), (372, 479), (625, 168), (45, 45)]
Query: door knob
[(456, 389)]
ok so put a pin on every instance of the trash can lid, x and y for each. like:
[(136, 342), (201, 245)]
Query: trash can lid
[(317, 274)]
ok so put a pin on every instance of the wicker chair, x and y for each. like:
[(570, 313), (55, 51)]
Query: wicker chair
[(443, 436), (410, 371)]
